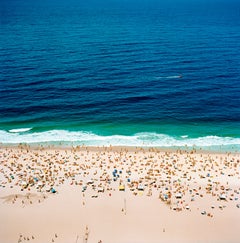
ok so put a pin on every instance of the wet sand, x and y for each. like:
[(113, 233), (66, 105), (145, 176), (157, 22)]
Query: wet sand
[(122, 194)]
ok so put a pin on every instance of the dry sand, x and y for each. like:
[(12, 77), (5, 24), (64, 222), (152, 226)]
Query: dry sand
[(112, 195)]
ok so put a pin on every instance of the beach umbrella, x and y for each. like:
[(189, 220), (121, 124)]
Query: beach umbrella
[(178, 195), (100, 189), (121, 188), (223, 197), (53, 190), (140, 187)]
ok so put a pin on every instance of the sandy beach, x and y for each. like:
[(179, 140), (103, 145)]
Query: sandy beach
[(118, 195)]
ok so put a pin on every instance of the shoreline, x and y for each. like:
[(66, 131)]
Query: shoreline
[(148, 139), (118, 148), (118, 195)]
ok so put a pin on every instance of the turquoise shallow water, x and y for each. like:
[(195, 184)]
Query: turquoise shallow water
[(145, 73), (146, 135)]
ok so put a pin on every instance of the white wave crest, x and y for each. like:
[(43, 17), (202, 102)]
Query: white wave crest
[(140, 139), (20, 130)]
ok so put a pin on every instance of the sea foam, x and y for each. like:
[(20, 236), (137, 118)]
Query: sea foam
[(20, 130), (144, 139)]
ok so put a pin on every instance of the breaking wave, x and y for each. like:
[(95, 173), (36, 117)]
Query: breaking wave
[(145, 139), (20, 130)]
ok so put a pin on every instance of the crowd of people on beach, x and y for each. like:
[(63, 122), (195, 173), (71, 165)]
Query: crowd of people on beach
[(179, 179)]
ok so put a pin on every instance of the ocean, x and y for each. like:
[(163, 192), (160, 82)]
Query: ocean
[(116, 72)]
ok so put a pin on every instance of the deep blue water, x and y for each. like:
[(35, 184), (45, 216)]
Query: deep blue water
[(153, 73)]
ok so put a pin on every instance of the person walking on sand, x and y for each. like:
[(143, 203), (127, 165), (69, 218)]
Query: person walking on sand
[(86, 234)]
